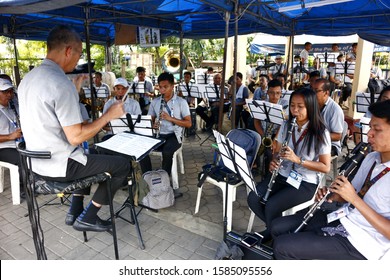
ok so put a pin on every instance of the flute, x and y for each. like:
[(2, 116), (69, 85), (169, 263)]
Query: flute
[(275, 172), (349, 167)]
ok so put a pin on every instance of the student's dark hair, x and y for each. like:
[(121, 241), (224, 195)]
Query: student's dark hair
[(316, 127), (381, 110), (239, 74), (165, 76), (280, 75), (62, 35), (265, 76), (314, 73), (275, 83), (354, 44), (187, 73), (383, 92), (98, 74), (140, 69), (325, 84), (308, 43)]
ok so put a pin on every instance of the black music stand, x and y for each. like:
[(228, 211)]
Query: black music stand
[(192, 92), (140, 124), (364, 100), (136, 147), (344, 68), (270, 113), (266, 111), (211, 94), (234, 158)]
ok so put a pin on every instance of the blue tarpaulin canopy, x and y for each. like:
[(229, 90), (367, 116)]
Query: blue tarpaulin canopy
[(32, 19)]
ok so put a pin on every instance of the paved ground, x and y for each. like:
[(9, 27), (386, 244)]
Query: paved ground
[(172, 233)]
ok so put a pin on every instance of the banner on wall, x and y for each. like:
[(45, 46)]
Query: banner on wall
[(149, 37)]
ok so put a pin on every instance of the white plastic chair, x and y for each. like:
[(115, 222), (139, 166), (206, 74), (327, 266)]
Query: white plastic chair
[(14, 176), (177, 163), (292, 210), (231, 191)]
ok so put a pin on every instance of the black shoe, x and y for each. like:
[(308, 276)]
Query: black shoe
[(83, 226), (71, 218), (103, 222)]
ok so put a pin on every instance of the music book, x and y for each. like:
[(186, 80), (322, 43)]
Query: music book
[(266, 111), (363, 101), (142, 125), (134, 145)]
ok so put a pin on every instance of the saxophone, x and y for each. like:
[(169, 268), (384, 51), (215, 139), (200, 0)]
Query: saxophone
[(158, 117), (349, 167), (266, 142), (275, 172)]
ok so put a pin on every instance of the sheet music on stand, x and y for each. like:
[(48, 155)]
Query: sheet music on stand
[(211, 94), (234, 158), (363, 101), (329, 57), (100, 92), (137, 87), (134, 145), (266, 111), (142, 125), (204, 78), (286, 95), (345, 67), (194, 90)]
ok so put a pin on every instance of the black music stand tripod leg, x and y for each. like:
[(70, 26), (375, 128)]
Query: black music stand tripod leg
[(129, 202)]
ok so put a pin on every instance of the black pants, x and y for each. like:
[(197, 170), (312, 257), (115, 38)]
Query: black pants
[(213, 119), (310, 243), (168, 149), (11, 155), (346, 92), (282, 197), (119, 168)]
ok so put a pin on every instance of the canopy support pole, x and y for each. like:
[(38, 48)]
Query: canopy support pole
[(222, 91), (88, 49)]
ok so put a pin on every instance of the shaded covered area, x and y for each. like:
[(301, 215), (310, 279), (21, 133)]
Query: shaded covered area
[(32, 19)]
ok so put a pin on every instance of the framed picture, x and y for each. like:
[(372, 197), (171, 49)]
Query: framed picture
[(149, 37)]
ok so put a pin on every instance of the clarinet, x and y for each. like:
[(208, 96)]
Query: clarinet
[(158, 121), (275, 172), (349, 167)]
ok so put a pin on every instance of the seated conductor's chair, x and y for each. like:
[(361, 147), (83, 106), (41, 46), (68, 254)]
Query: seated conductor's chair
[(33, 183), (234, 184)]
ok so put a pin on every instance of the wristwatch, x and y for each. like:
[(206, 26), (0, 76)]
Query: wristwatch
[(301, 161)]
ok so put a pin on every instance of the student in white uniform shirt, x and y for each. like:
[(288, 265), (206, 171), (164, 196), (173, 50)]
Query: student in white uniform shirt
[(307, 153), (363, 233)]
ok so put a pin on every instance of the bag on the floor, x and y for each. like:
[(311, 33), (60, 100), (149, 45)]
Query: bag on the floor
[(160, 191)]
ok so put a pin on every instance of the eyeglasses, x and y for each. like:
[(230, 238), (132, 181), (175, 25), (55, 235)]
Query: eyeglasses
[(274, 92)]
